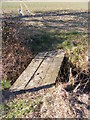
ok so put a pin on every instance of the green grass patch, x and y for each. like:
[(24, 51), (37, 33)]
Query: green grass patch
[(5, 84), (50, 40), (20, 108)]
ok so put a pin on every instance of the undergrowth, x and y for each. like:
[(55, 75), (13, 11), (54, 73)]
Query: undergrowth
[(74, 69), (20, 108)]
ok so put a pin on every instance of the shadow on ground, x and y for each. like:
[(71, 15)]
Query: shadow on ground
[(7, 94), (46, 31)]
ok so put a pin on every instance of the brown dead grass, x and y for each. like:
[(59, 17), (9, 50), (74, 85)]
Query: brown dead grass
[(15, 55)]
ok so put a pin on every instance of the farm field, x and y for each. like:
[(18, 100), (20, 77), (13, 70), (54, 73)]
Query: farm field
[(49, 27), (46, 6)]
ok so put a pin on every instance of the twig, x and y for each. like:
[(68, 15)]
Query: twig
[(77, 87), (86, 85)]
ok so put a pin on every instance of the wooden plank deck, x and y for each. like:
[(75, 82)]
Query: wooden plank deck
[(29, 72), (43, 70)]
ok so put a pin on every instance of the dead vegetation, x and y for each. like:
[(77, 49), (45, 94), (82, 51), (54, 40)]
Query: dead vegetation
[(67, 100), (74, 74), (61, 104), (15, 55)]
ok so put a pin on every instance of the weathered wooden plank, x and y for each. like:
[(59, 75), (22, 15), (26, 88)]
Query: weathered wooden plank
[(29, 72), (54, 69), (42, 71), (48, 71)]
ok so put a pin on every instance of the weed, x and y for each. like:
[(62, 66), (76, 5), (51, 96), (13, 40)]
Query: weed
[(19, 108), (5, 84)]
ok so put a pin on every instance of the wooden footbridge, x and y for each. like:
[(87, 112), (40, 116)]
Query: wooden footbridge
[(42, 70)]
